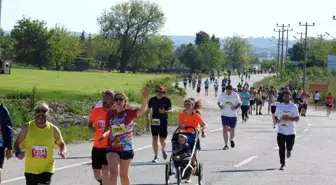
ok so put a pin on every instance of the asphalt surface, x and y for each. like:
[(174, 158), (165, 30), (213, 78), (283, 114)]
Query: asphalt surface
[(254, 160)]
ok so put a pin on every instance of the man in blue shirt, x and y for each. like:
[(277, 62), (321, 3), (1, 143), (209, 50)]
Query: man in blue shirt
[(6, 136), (245, 97)]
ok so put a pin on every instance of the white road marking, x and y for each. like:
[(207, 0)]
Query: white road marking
[(309, 125), (298, 137), (245, 161), (276, 148), (86, 162), (306, 130)]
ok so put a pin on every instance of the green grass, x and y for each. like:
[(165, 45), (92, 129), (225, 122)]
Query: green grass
[(61, 85), (76, 134)]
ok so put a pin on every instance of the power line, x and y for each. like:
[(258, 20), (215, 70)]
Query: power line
[(282, 42), (306, 52), (287, 42), (301, 33)]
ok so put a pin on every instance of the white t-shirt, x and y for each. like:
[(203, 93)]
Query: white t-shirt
[(227, 101), (287, 127), (99, 104), (317, 96)]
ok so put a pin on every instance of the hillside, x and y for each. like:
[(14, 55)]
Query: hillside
[(261, 45)]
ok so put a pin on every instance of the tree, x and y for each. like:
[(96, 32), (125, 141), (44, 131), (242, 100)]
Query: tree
[(6, 46), (211, 56), (131, 23), (190, 56), (296, 53), (31, 38), (201, 38), (215, 39), (238, 52)]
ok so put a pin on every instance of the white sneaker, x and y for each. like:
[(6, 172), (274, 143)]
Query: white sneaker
[(188, 180)]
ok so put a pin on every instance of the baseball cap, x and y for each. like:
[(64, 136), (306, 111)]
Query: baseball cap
[(161, 89)]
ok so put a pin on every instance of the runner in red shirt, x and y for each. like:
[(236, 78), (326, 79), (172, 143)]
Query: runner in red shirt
[(329, 103)]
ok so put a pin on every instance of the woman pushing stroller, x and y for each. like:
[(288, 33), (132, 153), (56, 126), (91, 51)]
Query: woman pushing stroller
[(189, 118)]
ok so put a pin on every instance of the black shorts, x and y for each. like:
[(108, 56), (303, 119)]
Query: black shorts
[(252, 102), (329, 106), (305, 106), (2, 156), (264, 98), (259, 102), (273, 109), (124, 155), (159, 130), (316, 101), (98, 157), (35, 179)]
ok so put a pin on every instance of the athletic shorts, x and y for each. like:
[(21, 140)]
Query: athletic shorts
[(252, 102), (316, 101), (216, 89), (329, 106), (273, 109), (229, 121), (2, 156), (124, 155), (198, 89), (305, 106), (264, 98), (206, 87), (259, 102), (98, 157), (35, 179), (159, 130)]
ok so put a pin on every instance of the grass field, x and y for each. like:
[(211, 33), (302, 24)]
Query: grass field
[(59, 85)]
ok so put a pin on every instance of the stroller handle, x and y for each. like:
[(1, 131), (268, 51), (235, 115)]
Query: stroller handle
[(187, 127)]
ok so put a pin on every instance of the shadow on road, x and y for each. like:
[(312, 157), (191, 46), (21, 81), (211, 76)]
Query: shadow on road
[(251, 170), (210, 150), (83, 157), (146, 164)]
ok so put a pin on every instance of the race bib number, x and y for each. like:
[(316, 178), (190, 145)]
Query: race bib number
[(286, 115), (228, 103), (156, 122), (118, 129), (40, 152)]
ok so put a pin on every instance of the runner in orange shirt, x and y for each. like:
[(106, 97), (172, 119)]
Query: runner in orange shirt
[(97, 126), (189, 118)]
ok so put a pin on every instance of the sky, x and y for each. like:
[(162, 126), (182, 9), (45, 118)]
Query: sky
[(255, 18)]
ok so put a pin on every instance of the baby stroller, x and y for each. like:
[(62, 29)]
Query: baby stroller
[(184, 168)]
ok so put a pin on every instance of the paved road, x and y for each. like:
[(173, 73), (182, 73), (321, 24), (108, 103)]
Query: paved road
[(254, 160)]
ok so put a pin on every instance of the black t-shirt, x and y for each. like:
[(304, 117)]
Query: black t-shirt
[(156, 103)]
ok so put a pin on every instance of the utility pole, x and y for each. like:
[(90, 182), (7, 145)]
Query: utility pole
[(279, 31), (301, 33), (321, 36), (306, 53), (287, 42), (282, 42)]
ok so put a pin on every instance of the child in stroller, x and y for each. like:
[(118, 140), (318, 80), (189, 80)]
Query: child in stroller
[(181, 150)]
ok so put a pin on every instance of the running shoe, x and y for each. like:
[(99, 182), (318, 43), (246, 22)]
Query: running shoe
[(289, 154), (226, 147), (188, 180), (164, 154), (232, 143), (282, 167), (155, 160)]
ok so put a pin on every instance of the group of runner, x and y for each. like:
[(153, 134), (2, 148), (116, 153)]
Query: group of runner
[(111, 122)]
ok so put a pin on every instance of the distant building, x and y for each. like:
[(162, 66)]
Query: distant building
[(332, 62)]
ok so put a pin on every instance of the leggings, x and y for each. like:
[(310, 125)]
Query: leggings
[(244, 109), (285, 142)]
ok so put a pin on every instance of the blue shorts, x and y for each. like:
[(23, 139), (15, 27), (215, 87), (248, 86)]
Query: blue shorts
[(229, 121)]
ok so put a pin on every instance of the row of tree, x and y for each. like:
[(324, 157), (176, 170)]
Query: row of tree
[(128, 40), (317, 51)]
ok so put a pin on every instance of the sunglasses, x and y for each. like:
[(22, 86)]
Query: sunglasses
[(187, 104), (40, 111), (118, 99)]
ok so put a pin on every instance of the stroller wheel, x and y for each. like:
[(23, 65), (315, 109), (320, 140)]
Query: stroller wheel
[(200, 173), (167, 172)]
